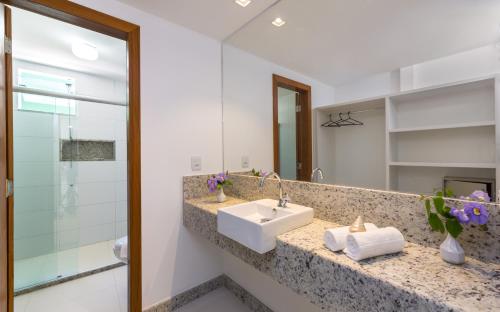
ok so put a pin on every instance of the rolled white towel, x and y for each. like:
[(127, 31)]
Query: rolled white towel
[(363, 245), (335, 238)]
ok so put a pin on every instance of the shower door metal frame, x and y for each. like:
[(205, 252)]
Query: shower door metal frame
[(85, 17)]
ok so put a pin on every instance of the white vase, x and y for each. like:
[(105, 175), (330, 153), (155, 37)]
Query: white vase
[(221, 197), (451, 251)]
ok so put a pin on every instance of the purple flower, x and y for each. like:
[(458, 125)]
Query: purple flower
[(480, 196), (460, 215), (476, 212), (217, 181), (221, 177), (212, 184)]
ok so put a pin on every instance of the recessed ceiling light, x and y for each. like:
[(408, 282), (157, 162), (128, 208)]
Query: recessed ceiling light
[(85, 51), (243, 3), (278, 22)]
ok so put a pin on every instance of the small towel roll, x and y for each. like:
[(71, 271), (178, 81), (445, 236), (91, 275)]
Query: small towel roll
[(363, 245), (335, 238)]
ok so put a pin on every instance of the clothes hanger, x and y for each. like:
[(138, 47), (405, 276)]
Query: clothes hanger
[(344, 121), (353, 121), (330, 122)]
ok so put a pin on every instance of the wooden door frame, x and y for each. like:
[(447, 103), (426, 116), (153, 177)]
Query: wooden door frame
[(85, 17), (305, 99)]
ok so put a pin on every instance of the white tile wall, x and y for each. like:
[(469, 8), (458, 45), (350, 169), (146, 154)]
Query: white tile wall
[(34, 223), (34, 198), (34, 245), (61, 205)]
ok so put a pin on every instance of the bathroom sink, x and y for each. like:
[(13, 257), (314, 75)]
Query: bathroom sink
[(256, 224)]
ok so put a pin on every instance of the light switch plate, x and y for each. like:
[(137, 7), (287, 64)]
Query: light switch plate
[(195, 163), (245, 162)]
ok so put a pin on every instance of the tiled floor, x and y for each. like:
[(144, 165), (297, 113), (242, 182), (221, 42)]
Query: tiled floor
[(103, 292), (107, 292), (33, 271), (219, 300)]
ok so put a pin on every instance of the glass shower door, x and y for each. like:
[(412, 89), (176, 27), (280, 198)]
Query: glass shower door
[(35, 202), (70, 181)]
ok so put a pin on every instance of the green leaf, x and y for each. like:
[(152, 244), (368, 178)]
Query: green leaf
[(428, 207), (454, 227), (439, 204), (436, 223), (449, 192), (440, 194), (447, 214)]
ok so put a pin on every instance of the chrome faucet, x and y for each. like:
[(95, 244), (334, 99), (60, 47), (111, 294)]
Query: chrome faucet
[(283, 199), (316, 175)]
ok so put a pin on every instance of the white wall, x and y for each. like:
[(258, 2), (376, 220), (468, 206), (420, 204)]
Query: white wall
[(248, 107), (469, 64), (180, 116), (62, 205), (277, 297), (367, 87)]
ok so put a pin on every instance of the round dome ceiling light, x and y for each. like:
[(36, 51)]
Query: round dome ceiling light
[(85, 51)]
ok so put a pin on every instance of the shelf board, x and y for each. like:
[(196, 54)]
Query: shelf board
[(448, 126), (360, 104), (458, 85), (447, 164)]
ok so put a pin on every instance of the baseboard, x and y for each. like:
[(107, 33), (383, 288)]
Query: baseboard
[(246, 297), (196, 292)]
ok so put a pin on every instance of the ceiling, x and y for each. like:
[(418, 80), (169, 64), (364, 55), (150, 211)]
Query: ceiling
[(50, 43), (338, 41), (215, 18)]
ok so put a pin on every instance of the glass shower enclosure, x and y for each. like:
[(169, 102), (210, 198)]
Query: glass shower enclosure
[(70, 174)]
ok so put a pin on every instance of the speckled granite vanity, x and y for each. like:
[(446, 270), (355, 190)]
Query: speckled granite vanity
[(415, 280)]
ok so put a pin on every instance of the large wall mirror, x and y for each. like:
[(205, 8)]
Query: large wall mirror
[(391, 95)]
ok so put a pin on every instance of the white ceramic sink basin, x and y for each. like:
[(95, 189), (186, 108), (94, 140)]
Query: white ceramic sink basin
[(256, 224)]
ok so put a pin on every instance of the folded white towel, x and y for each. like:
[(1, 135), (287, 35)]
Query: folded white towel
[(121, 249), (362, 245), (335, 238)]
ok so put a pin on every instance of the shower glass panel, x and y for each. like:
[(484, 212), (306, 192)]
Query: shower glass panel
[(70, 177)]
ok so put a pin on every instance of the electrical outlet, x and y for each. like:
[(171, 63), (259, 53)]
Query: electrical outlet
[(195, 163), (245, 162)]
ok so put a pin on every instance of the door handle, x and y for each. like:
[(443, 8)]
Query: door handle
[(9, 188)]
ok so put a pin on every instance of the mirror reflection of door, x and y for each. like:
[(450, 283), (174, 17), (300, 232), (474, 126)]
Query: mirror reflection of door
[(292, 129), (287, 122)]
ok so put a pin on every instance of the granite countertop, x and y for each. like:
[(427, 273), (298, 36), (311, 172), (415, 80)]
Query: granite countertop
[(414, 280)]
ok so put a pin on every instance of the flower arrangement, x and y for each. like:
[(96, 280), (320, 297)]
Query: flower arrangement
[(451, 219), (259, 173), (218, 181)]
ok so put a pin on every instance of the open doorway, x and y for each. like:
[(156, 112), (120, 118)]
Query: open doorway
[(292, 129), (70, 159)]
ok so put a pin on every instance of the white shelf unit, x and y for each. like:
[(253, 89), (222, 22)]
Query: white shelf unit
[(430, 133), (441, 131), (443, 165), (446, 126)]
